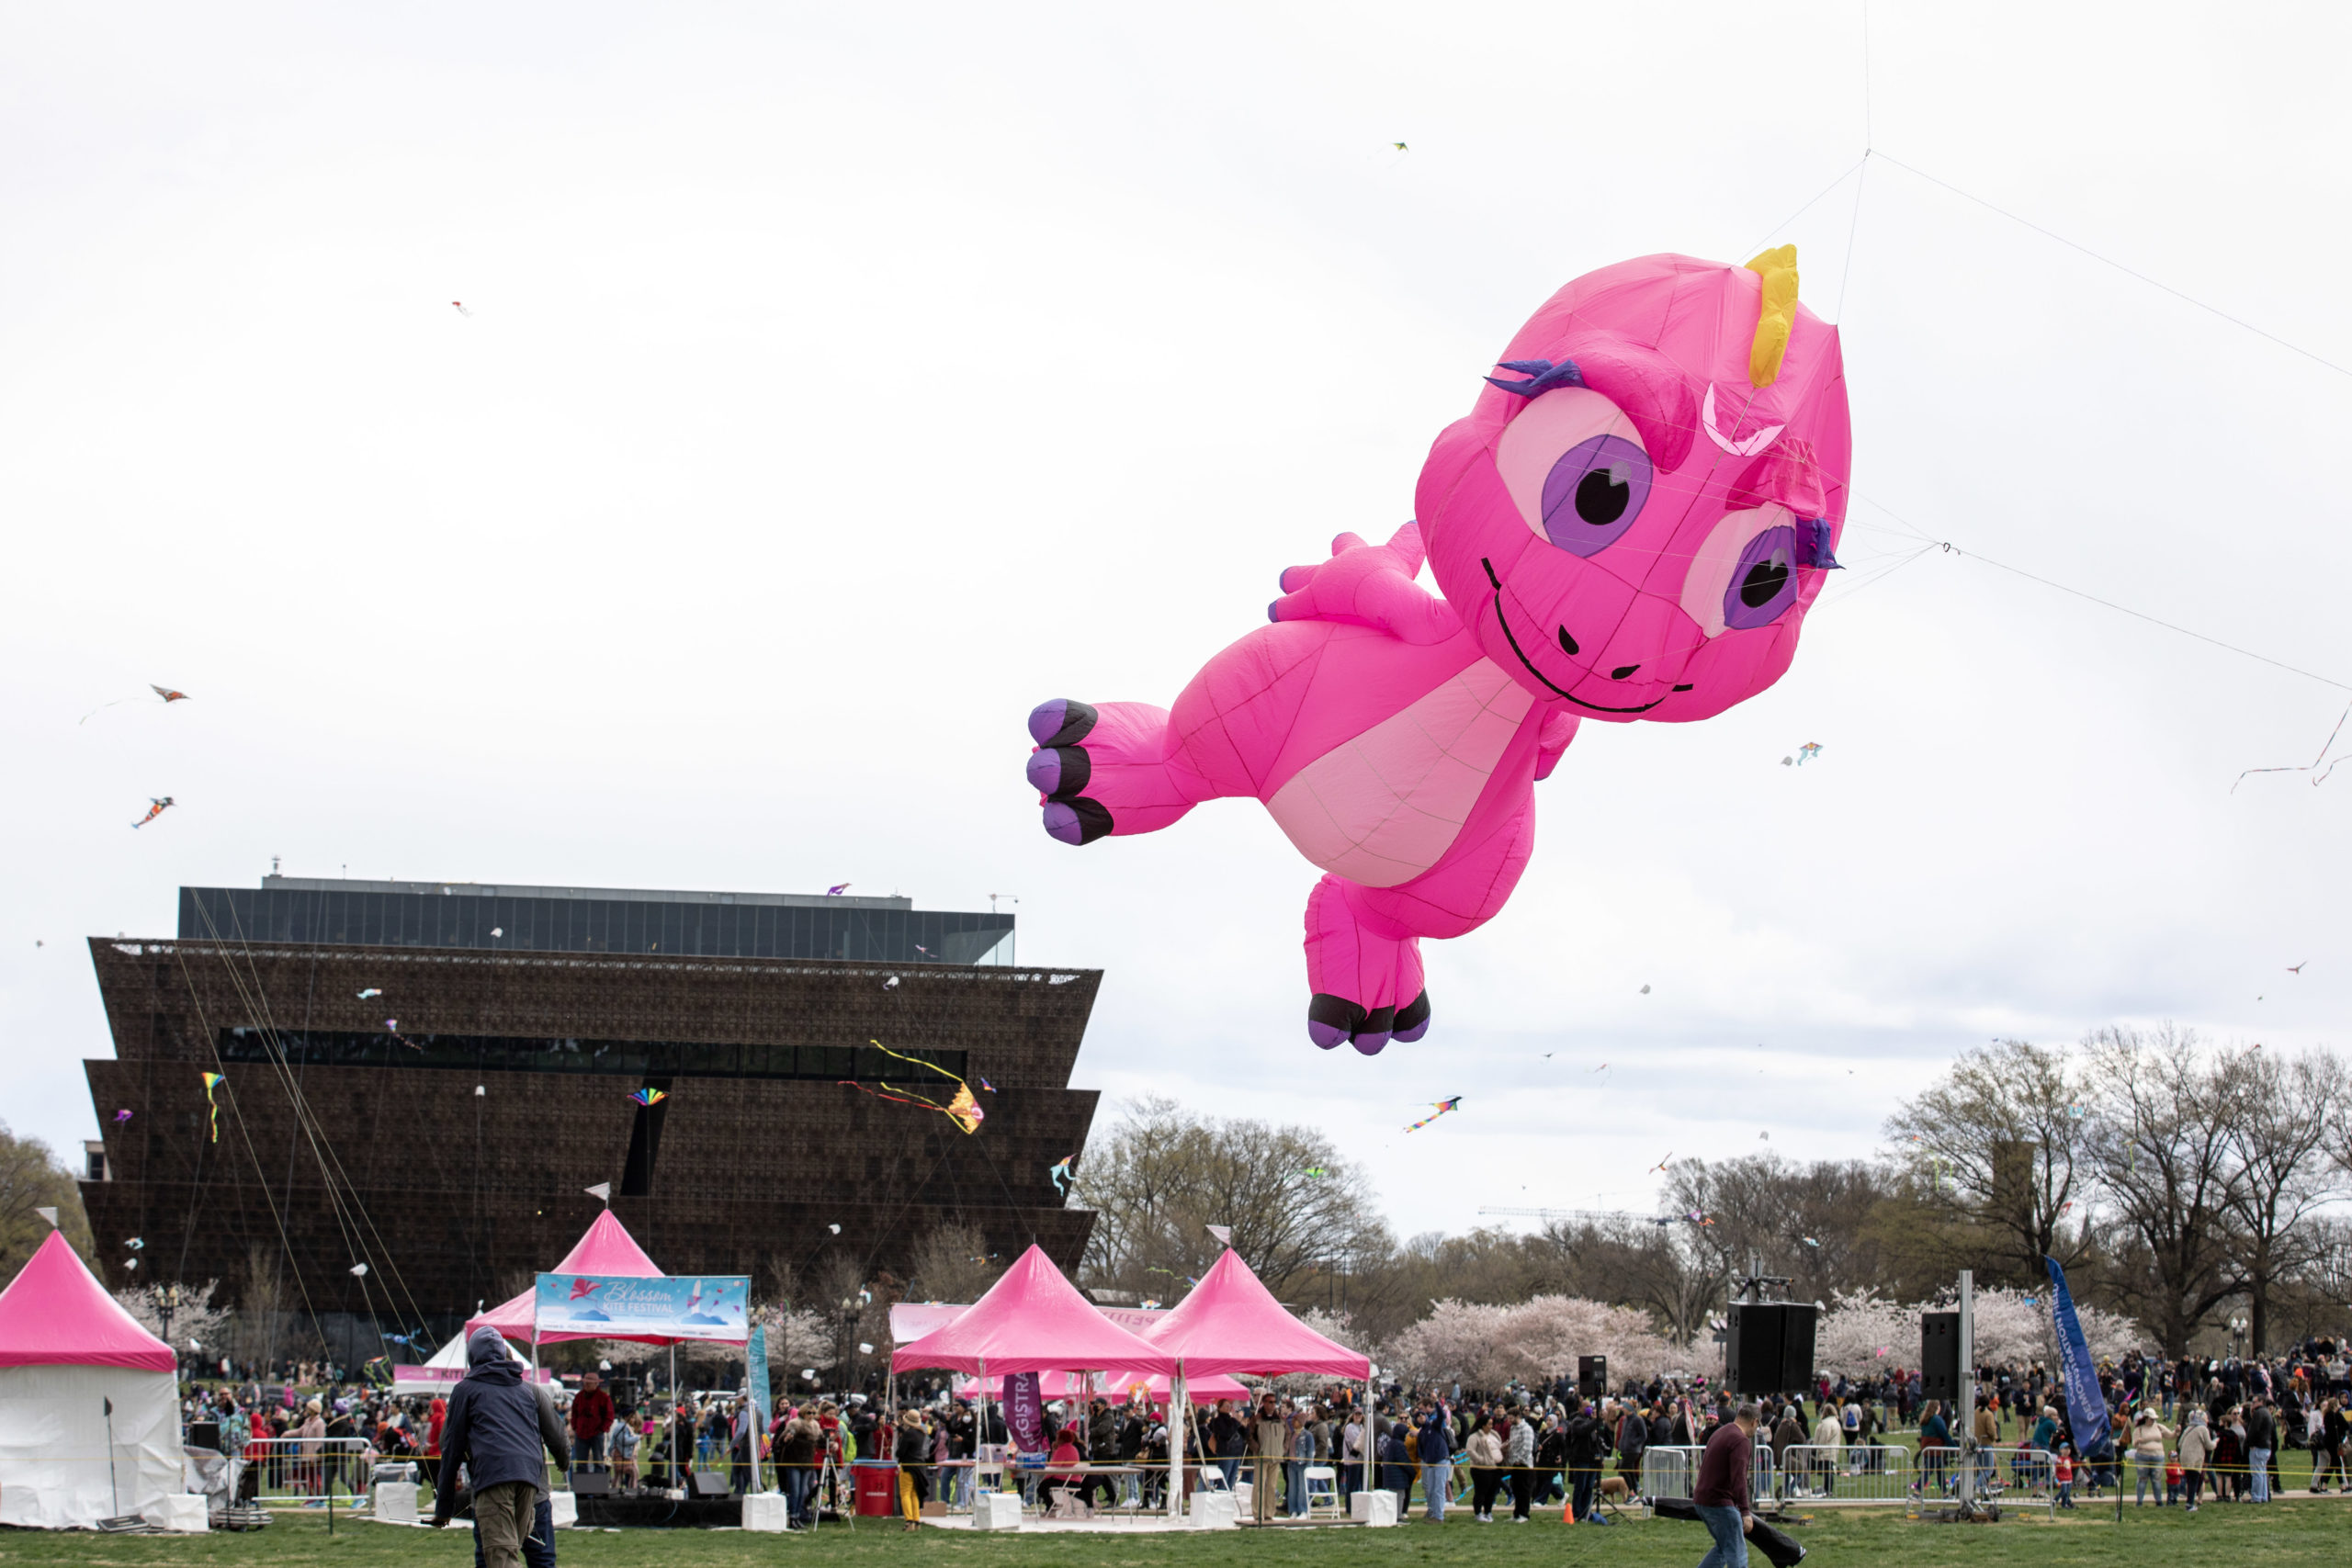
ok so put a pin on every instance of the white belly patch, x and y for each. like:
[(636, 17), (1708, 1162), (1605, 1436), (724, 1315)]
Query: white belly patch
[(1386, 807)]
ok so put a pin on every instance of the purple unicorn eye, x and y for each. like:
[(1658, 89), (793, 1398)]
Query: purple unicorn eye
[(1594, 492), (1764, 584)]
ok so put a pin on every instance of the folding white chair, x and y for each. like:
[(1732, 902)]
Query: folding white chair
[(1322, 1491)]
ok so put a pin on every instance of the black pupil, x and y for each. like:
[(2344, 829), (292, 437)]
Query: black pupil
[(1763, 582), (1601, 498)]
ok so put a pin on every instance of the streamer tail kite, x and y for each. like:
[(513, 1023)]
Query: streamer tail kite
[(1443, 1107), (963, 1106), (211, 1082)]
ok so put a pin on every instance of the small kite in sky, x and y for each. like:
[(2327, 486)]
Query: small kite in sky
[(167, 693), (135, 1244), (962, 1108), (1764, 1137), (2297, 968), (156, 807), (892, 984), (460, 306), (1059, 1170), (1809, 1241), (371, 991), (1314, 1172), (1664, 1163), (649, 1096), (1401, 147), (360, 1270), (1443, 1107), (498, 931), (987, 1086), (1807, 752), (211, 1082), (121, 1116), (835, 1229), (837, 889), (1645, 991)]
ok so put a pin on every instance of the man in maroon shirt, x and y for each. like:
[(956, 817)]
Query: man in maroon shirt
[(1721, 1494), (591, 1418)]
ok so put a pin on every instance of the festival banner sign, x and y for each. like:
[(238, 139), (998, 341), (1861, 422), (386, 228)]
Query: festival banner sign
[(1024, 1413), (756, 1354), (2086, 1406), (622, 1306)]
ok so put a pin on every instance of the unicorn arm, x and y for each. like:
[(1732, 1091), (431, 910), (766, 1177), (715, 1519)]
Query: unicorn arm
[(1369, 585)]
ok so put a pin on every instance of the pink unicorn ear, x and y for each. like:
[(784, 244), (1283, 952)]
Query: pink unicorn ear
[(1788, 475), (1656, 396)]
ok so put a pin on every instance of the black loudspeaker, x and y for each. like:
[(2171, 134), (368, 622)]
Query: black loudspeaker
[(1939, 1356), (591, 1482), (1592, 1376), (1768, 1347), (1796, 1345), (203, 1435)]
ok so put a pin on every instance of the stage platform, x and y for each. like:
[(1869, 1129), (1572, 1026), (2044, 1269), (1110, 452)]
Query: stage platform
[(660, 1512)]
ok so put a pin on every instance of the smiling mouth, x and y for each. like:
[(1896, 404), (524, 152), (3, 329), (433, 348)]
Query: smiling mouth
[(1530, 664)]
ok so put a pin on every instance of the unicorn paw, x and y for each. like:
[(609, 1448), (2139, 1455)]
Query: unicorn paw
[(1060, 768), (1331, 1019)]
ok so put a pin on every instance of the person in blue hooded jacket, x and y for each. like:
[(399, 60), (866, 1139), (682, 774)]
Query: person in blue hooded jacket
[(494, 1431)]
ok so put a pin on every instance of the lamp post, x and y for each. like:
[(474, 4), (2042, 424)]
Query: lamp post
[(2237, 1338)]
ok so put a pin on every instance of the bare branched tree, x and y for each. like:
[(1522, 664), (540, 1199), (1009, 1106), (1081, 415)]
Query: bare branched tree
[(1163, 1176), (2287, 1111), (2162, 1135), (2000, 1146), (32, 1178)]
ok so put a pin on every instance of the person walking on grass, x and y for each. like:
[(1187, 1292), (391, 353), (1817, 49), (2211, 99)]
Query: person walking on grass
[(494, 1429), (1721, 1492)]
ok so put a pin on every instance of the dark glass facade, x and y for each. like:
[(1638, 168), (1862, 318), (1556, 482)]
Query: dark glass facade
[(705, 928), (510, 1054)]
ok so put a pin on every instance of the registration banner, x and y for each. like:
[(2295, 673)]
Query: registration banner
[(621, 1306)]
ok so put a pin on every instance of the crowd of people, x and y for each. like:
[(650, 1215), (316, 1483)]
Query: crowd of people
[(2183, 1433)]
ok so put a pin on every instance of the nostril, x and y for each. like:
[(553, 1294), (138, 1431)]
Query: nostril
[(1567, 643), (1622, 670)]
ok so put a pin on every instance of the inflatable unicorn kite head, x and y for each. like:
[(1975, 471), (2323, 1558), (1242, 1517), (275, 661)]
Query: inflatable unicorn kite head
[(1636, 513)]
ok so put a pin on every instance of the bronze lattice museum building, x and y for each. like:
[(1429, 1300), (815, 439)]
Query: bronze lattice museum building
[(424, 1077)]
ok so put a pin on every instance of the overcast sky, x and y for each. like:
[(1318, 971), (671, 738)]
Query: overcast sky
[(842, 381)]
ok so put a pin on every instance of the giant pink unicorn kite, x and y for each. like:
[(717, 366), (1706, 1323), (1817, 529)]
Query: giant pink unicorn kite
[(1629, 524)]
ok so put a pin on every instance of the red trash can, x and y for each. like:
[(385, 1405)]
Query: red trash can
[(878, 1489)]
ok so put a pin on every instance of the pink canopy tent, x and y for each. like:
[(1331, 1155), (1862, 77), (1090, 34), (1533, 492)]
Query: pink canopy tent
[(1231, 1322), (607, 1248), (55, 1314), (1032, 1320), (1067, 1385)]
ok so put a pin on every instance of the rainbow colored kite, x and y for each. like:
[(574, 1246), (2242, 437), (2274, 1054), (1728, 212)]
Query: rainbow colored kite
[(1443, 1107), (649, 1096), (211, 1082)]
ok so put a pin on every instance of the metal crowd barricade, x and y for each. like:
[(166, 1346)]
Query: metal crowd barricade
[(2010, 1478), (1845, 1474), (294, 1471), (1673, 1473)]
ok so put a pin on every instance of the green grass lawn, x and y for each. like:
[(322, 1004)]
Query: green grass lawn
[(2240, 1536)]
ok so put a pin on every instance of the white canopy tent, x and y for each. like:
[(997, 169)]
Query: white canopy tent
[(89, 1402)]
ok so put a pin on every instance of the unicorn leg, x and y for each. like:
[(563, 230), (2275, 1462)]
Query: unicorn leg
[(1363, 952), (1364, 971), (1106, 770)]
